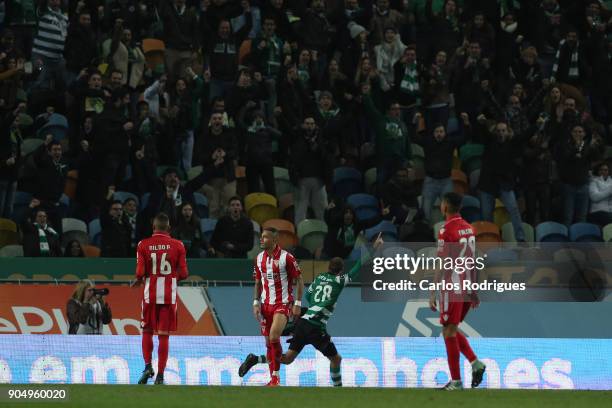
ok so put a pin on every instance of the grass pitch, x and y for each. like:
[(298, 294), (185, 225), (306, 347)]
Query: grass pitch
[(119, 396)]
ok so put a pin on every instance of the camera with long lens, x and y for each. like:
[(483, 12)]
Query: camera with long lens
[(101, 292)]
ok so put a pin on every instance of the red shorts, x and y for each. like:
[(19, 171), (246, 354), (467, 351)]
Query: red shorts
[(454, 312), (267, 315), (158, 317)]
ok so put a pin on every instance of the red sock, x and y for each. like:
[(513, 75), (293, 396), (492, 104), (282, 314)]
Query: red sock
[(147, 346), (277, 350), (465, 348), (162, 353), (452, 352), (270, 356)]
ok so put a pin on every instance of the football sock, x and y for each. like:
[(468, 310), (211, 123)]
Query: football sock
[(147, 347), (277, 350), (162, 353), (465, 348), (262, 359), (452, 352), (269, 356), (336, 376)]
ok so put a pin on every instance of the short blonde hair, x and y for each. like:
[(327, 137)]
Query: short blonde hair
[(81, 287)]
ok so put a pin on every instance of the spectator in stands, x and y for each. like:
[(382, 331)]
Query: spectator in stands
[(39, 238), (259, 139), (470, 70), (233, 234), (407, 82), (571, 62), (157, 97), (168, 194), (180, 36), (73, 250), (10, 159), (537, 174), (600, 193), (398, 196), (130, 211), (219, 158), (342, 233), (384, 18), (116, 229), (480, 31), (126, 58), (87, 312), (387, 54), (393, 149), (436, 91), (358, 49), (309, 170), (81, 43), (446, 29), (188, 230), (498, 173), (575, 158), (439, 149), (247, 88), (48, 48)]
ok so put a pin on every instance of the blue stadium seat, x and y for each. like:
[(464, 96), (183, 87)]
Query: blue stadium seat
[(551, 232), (585, 232), (470, 209), (208, 227), (366, 207), (388, 229), (501, 255), (201, 203), (95, 232), (347, 181), (57, 125)]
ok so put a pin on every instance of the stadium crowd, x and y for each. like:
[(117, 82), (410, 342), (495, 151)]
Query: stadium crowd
[(112, 111)]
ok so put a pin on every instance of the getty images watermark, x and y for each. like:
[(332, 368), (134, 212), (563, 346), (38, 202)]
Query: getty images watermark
[(495, 271)]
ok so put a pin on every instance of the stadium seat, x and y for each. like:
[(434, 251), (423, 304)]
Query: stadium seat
[(11, 251), (370, 180), (208, 227), (470, 155), (261, 207), (470, 209), (21, 206), (347, 181), (57, 125), (124, 195), (95, 232), (311, 234), (282, 184), (201, 203), (30, 145), (286, 232), (508, 232), (460, 182), (80, 236), (366, 207), (286, 209), (91, 251), (72, 180), (144, 201), (569, 255), (500, 214), (497, 254), (153, 49), (194, 172), (607, 233), (551, 232), (418, 155), (585, 232), (486, 231), (388, 229), (73, 224)]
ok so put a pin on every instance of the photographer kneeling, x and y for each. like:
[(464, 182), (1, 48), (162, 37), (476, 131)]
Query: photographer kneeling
[(87, 311)]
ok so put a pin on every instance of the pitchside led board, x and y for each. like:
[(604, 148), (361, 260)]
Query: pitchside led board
[(369, 362)]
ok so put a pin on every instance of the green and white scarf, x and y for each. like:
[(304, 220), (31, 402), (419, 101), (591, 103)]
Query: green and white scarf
[(42, 238), (330, 114), (574, 71), (410, 82)]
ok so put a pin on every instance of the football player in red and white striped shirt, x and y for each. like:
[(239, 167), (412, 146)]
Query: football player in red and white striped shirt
[(275, 272), (160, 263)]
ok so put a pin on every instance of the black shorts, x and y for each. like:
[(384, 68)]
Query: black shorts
[(307, 333)]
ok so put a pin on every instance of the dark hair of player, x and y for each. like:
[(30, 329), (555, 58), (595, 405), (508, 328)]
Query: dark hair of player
[(161, 222), (273, 230), (336, 266), (453, 201)]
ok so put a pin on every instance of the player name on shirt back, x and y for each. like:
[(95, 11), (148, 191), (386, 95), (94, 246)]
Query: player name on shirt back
[(159, 247)]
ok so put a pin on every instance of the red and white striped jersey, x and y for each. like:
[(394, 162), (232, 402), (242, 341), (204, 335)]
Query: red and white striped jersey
[(161, 261), (457, 240), (277, 274)]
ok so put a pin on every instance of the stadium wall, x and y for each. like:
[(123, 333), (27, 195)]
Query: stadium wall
[(369, 362)]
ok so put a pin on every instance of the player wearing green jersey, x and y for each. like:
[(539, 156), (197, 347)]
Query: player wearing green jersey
[(311, 328)]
